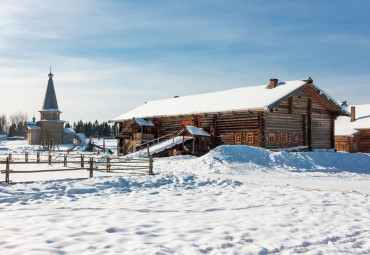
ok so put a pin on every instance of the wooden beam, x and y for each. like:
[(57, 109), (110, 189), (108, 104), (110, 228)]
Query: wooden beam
[(310, 91), (309, 124), (291, 105)]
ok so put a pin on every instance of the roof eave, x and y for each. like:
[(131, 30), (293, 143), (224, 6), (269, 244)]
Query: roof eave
[(264, 109)]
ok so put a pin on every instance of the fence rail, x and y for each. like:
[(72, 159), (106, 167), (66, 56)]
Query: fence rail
[(76, 163)]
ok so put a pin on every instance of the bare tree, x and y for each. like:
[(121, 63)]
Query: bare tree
[(3, 124), (18, 124)]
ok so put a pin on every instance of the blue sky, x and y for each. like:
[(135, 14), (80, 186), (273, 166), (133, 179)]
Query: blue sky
[(111, 56)]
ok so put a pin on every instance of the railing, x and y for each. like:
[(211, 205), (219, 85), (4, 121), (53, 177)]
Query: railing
[(158, 139), (76, 163)]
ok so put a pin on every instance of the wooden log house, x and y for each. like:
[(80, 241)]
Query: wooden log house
[(352, 134), (277, 115)]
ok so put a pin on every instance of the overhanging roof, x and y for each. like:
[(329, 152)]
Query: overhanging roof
[(247, 98)]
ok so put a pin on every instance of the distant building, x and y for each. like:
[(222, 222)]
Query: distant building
[(352, 134), (50, 128)]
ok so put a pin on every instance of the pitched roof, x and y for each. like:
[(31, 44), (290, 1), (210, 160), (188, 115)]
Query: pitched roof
[(246, 98), (344, 126), (195, 131), (50, 101)]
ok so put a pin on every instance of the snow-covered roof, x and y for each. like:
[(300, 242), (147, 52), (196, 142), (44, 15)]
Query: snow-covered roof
[(246, 98), (33, 127), (195, 131), (69, 130), (142, 122), (344, 126)]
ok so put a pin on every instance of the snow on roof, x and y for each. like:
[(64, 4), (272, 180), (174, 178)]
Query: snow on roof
[(69, 130), (33, 127), (142, 122), (246, 98), (344, 126), (196, 131)]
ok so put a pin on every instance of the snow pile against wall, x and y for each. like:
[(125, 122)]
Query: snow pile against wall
[(239, 159)]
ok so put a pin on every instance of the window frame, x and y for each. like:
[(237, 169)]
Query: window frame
[(282, 135), (236, 135), (247, 136), (296, 138), (272, 134)]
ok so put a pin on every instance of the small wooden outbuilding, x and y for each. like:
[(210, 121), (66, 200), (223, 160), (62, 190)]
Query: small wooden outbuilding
[(352, 134)]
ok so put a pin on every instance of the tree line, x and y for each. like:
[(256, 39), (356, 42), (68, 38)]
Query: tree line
[(16, 125), (96, 129)]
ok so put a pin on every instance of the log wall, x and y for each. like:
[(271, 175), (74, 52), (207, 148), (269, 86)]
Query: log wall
[(301, 115)]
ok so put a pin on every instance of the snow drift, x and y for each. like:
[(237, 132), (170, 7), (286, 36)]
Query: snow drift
[(251, 158)]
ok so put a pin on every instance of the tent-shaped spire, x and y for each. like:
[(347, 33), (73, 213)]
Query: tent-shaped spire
[(50, 101)]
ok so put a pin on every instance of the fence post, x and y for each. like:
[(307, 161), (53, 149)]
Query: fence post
[(49, 159), (151, 165), (26, 157), (108, 164), (7, 169), (147, 149), (10, 156), (38, 157), (82, 161), (91, 167), (65, 160)]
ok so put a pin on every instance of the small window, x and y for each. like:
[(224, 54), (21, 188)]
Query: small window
[(272, 137), (295, 138), (250, 139), (284, 137), (238, 138)]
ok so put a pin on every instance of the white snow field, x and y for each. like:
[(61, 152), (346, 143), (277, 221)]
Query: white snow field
[(234, 200)]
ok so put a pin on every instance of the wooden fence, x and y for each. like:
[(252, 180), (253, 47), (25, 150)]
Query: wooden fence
[(73, 163)]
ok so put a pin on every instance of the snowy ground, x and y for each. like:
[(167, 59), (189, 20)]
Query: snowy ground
[(234, 200)]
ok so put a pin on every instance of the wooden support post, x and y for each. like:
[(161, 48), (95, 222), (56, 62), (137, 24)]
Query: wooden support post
[(10, 156), (7, 170), (332, 130), (49, 159), (65, 160), (82, 161), (193, 151), (309, 124), (147, 150), (151, 165), (38, 157), (26, 157), (108, 164), (91, 167)]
